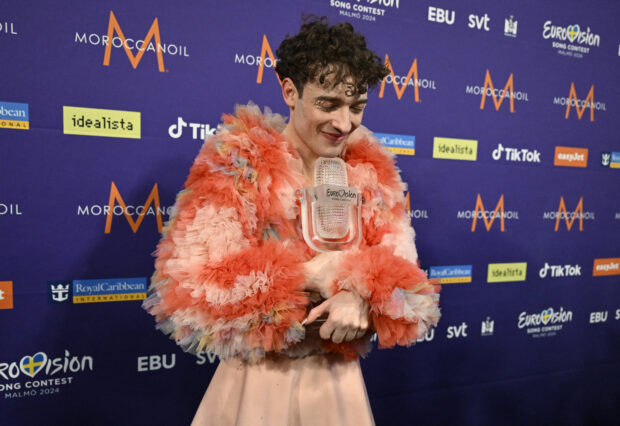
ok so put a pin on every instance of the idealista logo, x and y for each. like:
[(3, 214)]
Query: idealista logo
[(130, 45), (608, 159), (121, 209), (546, 323), (506, 272), (455, 149), (573, 34), (579, 104), (569, 156), (14, 115), (606, 266), (480, 212), (56, 374), (556, 271), (6, 294), (101, 122), (522, 155), (366, 10), (497, 95), (569, 218), (199, 130), (398, 144), (414, 214), (451, 274)]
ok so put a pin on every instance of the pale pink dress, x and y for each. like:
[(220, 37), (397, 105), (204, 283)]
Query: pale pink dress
[(317, 390)]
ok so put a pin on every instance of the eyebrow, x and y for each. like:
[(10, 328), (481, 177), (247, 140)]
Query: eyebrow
[(338, 99)]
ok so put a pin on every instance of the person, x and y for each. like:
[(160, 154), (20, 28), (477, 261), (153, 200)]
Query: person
[(234, 276)]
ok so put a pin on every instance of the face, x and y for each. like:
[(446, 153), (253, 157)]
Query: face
[(323, 118)]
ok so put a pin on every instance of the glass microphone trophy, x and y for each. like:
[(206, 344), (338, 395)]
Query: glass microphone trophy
[(330, 211)]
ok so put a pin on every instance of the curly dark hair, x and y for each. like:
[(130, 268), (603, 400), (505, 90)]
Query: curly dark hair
[(320, 50)]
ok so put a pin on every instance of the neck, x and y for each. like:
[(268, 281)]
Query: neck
[(307, 157)]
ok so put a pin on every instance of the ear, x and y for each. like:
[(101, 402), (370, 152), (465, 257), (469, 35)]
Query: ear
[(289, 93)]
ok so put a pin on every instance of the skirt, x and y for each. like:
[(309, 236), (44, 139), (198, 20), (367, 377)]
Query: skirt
[(317, 390)]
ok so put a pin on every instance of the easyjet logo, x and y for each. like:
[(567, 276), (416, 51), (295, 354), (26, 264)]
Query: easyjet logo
[(606, 266), (570, 156), (496, 94)]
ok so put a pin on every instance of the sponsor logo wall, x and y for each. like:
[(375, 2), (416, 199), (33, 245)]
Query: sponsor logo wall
[(502, 120)]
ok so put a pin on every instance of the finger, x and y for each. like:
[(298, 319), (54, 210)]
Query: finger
[(339, 335), (326, 330), (360, 333), (351, 334), (316, 312)]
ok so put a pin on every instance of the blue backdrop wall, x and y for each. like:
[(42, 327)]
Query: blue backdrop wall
[(504, 116)]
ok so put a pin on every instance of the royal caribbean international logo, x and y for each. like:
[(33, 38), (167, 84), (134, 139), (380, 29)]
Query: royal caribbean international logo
[(451, 274), (39, 374), (547, 323), (135, 49), (109, 290), (398, 144), (570, 40), (60, 291), (14, 115), (611, 160)]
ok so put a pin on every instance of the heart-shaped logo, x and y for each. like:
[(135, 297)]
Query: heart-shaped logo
[(546, 315), (573, 32), (31, 365)]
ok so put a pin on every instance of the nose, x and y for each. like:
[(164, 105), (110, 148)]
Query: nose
[(341, 120)]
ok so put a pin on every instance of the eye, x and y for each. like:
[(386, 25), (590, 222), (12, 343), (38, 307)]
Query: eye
[(358, 109), (326, 106)]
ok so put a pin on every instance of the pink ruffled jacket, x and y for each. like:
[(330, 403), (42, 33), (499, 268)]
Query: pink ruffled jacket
[(231, 264)]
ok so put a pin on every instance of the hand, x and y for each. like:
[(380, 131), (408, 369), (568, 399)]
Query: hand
[(347, 317), (320, 272)]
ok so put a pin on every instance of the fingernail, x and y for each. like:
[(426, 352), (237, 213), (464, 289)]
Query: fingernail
[(304, 321)]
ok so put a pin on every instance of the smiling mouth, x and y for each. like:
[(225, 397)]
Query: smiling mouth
[(334, 137)]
